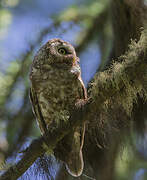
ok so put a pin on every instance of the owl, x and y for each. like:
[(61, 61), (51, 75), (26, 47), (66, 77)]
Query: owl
[(56, 89)]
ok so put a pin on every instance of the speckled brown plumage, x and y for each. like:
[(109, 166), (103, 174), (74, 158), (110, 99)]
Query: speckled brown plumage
[(57, 88)]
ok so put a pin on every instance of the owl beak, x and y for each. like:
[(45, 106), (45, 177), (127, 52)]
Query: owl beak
[(74, 60)]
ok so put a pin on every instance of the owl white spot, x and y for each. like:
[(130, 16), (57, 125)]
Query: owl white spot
[(34, 70), (53, 44), (75, 70)]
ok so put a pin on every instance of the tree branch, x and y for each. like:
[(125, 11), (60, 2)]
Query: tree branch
[(128, 16), (31, 154), (124, 78)]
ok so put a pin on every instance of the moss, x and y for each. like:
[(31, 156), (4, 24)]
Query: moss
[(125, 80)]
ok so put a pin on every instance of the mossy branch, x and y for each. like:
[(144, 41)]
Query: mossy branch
[(124, 80)]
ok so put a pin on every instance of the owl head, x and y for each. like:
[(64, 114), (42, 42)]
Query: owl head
[(57, 51)]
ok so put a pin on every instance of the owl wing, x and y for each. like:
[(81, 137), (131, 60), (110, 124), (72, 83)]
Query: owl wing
[(37, 111)]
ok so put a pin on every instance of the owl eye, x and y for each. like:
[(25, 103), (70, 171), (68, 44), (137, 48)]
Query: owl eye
[(62, 51)]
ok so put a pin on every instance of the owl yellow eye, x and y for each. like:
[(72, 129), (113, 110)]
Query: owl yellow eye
[(62, 51)]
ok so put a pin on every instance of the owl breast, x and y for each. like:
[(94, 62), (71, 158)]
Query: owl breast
[(57, 91)]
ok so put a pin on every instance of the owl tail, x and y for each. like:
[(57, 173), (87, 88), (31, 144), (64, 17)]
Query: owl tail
[(70, 151), (74, 162)]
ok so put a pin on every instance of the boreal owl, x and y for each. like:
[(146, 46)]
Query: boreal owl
[(56, 89)]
